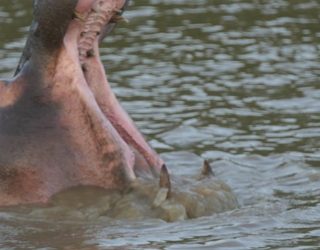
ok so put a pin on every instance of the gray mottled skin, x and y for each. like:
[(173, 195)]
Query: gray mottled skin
[(51, 19)]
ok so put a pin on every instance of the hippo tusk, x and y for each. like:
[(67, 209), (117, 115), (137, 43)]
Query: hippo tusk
[(165, 179), (164, 192)]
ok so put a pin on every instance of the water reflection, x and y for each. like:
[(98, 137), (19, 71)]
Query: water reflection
[(236, 83)]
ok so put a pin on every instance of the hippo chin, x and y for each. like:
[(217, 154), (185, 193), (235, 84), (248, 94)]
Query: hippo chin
[(60, 123), (200, 195)]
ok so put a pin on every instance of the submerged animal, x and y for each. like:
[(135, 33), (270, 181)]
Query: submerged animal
[(61, 125)]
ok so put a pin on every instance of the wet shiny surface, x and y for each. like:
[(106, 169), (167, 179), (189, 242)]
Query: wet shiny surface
[(236, 83)]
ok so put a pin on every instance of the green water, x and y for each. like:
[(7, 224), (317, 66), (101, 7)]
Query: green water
[(235, 82)]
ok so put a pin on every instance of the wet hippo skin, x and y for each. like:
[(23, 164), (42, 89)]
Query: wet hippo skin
[(60, 123)]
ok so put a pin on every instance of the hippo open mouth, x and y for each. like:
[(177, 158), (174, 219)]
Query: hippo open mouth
[(90, 25), (62, 127), (60, 123)]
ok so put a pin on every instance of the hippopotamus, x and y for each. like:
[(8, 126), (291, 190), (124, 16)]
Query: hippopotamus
[(60, 123), (62, 128)]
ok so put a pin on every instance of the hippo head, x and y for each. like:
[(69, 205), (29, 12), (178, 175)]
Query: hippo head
[(62, 128), (60, 123)]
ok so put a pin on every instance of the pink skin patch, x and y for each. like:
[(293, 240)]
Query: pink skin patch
[(88, 41)]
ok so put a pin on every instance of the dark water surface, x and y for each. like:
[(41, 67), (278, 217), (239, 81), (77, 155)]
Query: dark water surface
[(236, 82)]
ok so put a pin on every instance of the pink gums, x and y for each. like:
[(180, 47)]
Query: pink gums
[(98, 15)]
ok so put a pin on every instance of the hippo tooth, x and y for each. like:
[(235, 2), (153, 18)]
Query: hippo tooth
[(165, 179)]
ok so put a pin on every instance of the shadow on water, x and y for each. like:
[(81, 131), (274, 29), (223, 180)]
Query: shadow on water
[(236, 83)]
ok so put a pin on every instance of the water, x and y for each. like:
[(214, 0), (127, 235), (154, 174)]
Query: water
[(236, 83)]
